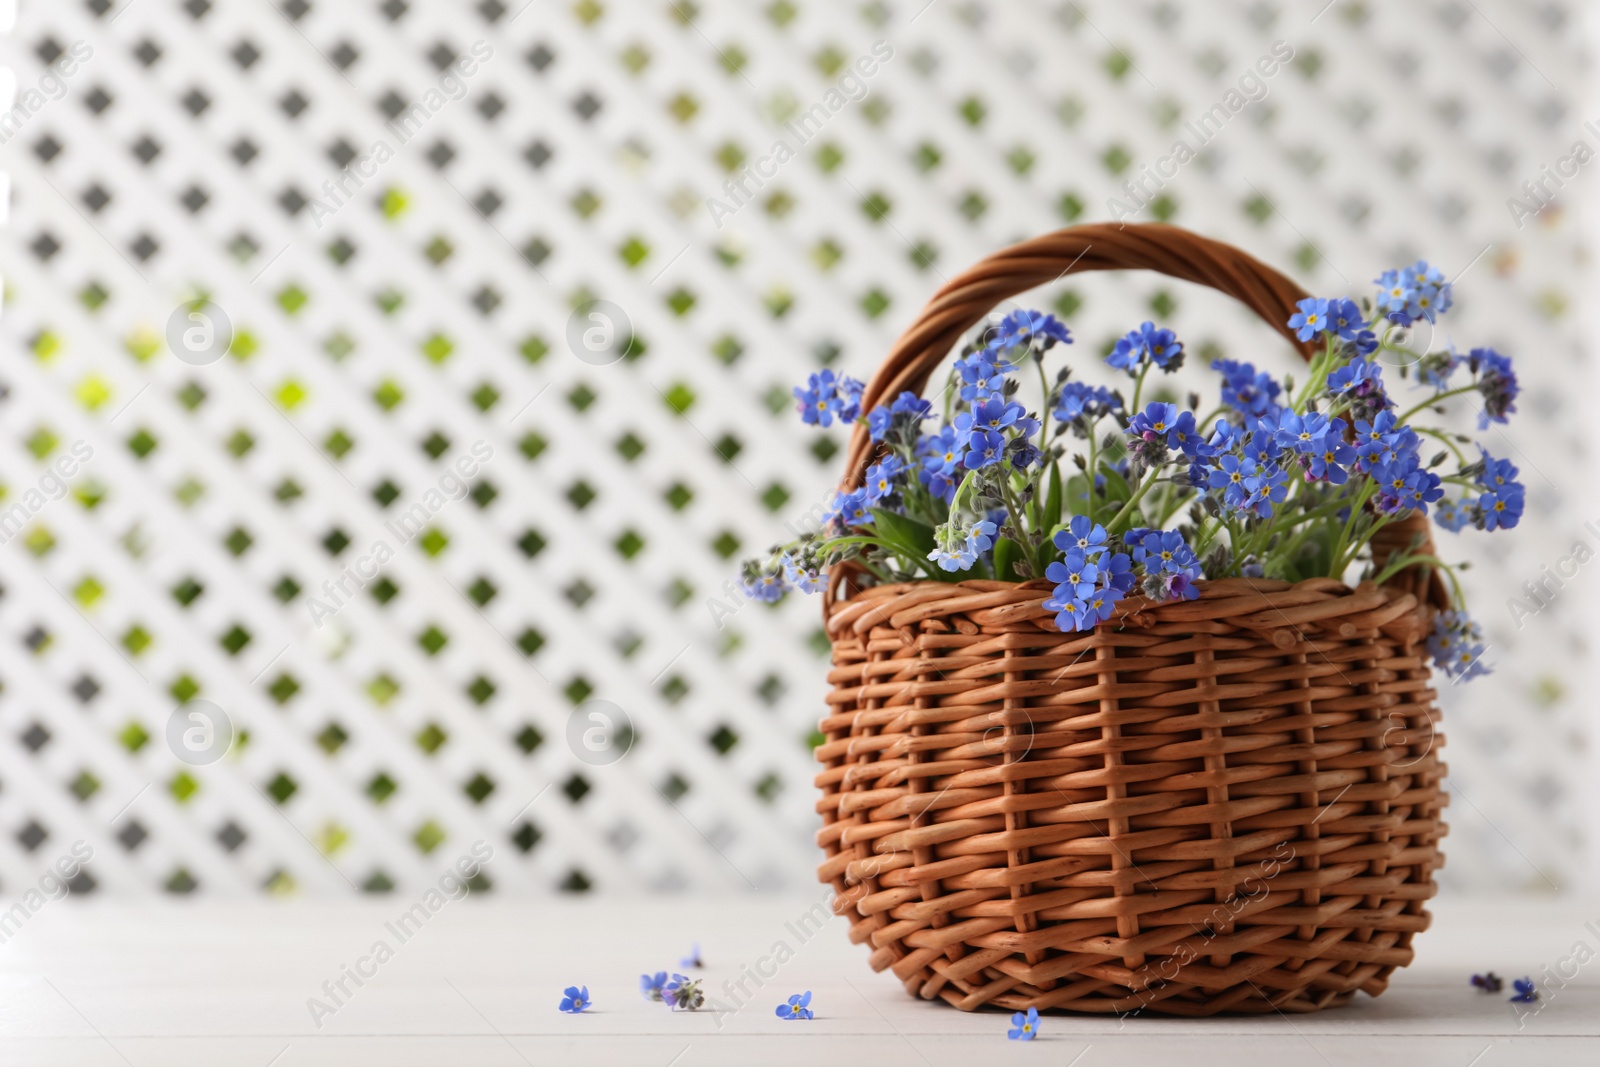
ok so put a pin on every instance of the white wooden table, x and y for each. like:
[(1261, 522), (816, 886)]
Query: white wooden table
[(173, 984)]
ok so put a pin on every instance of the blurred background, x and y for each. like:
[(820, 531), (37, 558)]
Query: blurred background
[(390, 389)]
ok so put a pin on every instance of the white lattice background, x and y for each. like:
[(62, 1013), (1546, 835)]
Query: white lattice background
[(380, 334)]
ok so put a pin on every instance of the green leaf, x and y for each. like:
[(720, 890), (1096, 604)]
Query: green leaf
[(1320, 557), (1313, 558), (1076, 499), (1006, 554), (1117, 489), (903, 531), (913, 541), (1050, 520), (1115, 493), (1052, 497)]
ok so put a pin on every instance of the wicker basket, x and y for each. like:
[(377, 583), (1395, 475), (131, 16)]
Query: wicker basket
[(1230, 804)]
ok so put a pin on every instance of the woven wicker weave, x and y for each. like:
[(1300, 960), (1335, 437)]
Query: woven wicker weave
[(1227, 804)]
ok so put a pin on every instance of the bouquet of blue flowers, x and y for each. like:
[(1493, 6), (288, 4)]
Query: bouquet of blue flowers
[(1107, 497)]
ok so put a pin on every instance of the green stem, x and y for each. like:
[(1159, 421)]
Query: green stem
[(1206, 535), (1342, 562), (1044, 404), (1144, 487), (878, 573), (1291, 548), (1315, 513), (1172, 502), (920, 504), (1356, 505), (1403, 419), (1234, 538), (1093, 461), (1138, 387), (1200, 427), (1403, 561), (1321, 367), (1012, 506), (1451, 445), (860, 539), (1253, 542), (961, 492)]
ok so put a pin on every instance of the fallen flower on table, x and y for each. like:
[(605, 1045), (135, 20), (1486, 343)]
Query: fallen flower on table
[(651, 985), (1488, 983), (1024, 1027), (797, 1007), (575, 1000), (1526, 993), (683, 994), (693, 958)]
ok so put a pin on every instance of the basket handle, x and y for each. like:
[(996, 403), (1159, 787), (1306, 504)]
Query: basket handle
[(963, 302), (966, 299)]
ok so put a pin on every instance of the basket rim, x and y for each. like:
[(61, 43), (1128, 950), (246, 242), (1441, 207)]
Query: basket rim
[(1271, 606)]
